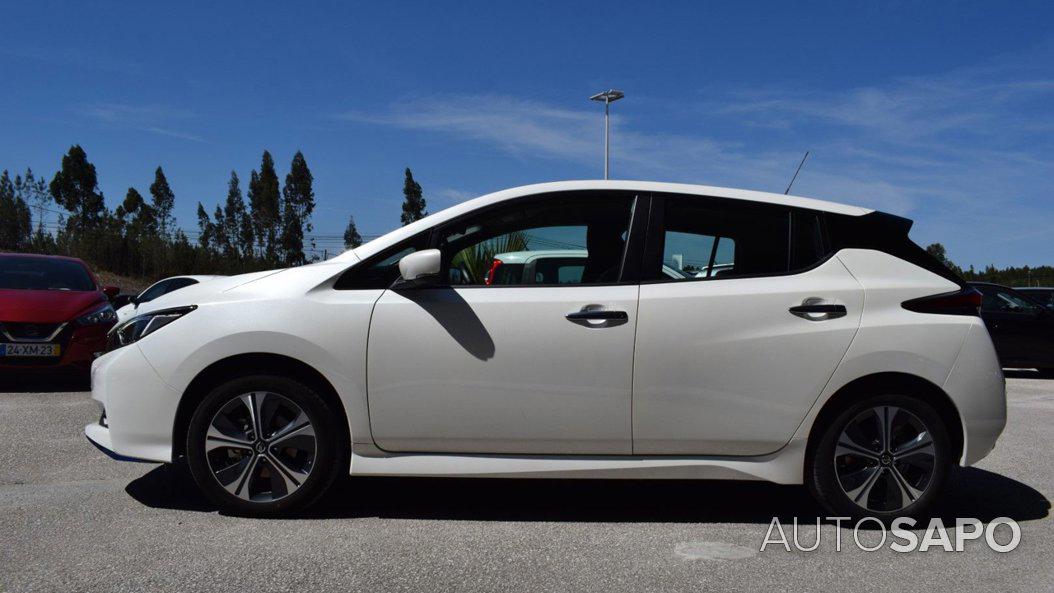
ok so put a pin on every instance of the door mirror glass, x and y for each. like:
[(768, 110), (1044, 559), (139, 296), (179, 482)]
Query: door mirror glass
[(419, 268)]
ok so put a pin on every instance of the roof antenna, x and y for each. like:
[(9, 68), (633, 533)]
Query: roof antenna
[(800, 165)]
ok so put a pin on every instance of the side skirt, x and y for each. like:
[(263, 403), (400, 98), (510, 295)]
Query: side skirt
[(782, 467)]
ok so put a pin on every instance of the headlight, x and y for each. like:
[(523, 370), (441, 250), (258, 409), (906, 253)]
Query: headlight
[(104, 314), (140, 326)]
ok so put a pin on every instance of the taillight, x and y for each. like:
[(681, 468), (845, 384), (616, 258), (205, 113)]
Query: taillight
[(964, 302), (493, 270)]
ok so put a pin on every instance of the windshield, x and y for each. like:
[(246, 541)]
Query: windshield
[(39, 273)]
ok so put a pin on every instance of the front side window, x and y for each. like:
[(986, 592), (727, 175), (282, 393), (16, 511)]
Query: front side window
[(556, 240), (154, 291), (381, 270)]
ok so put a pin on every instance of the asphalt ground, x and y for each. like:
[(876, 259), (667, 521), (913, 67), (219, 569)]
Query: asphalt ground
[(71, 519)]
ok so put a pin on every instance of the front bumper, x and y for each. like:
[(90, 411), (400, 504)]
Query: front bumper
[(99, 436), (140, 407), (80, 346)]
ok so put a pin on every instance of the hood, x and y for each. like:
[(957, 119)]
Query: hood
[(47, 306), (203, 291), (284, 283)]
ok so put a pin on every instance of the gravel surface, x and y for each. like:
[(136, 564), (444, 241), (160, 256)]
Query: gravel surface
[(71, 519)]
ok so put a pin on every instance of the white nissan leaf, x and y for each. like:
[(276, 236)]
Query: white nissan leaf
[(795, 340)]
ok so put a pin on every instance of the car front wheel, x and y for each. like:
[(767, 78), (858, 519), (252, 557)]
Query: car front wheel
[(264, 445), (885, 456)]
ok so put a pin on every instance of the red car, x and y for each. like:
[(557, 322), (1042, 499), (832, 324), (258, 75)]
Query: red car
[(53, 313)]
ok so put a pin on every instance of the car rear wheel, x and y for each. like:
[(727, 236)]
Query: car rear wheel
[(886, 456), (264, 445)]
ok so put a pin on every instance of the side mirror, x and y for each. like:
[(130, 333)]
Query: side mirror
[(111, 292), (121, 300), (420, 268)]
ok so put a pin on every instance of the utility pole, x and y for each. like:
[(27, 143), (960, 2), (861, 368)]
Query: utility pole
[(608, 97)]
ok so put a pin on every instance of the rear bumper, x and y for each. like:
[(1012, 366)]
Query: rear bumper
[(978, 388), (140, 407)]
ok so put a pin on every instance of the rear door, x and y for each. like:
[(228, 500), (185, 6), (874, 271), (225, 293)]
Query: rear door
[(734, 348)]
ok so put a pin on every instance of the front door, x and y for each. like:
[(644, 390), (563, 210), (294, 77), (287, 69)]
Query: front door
[(489, 363)]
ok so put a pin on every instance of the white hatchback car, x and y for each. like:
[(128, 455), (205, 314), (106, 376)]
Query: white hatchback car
[(828, 350)]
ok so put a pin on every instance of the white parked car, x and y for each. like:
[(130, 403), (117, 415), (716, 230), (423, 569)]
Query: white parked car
[(161, 287), (831, 352)]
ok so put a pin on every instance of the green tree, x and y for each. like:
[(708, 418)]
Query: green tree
[(222, 239), (34, 191), (207, 237), (16, 222), (298, 202), (164, 201), (352, 238), (264, 204), (413, 200), (239, 226), (143, 223), (941, 254), (76, 188)]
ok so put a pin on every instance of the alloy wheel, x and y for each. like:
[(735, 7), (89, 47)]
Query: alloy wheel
[(260, 446), (885, 459)]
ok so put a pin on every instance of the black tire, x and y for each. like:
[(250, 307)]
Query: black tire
[(327, 461), (825, 473)]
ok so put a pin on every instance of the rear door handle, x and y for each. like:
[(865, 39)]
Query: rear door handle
[(819, 311), (598, 315)]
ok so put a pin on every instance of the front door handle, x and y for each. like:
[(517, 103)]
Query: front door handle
[(598, 315), (818, 311)]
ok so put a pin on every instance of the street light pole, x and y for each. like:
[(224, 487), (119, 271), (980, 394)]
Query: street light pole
[(608, 97)]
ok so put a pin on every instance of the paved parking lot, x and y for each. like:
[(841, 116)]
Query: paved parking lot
[(73, 520)]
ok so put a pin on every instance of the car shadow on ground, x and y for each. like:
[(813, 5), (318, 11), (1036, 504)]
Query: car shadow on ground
[(972, 492), (37, 382)]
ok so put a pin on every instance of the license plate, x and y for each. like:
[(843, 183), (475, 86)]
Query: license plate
[(30, 349)]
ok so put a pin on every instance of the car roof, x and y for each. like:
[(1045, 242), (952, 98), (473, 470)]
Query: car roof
[(413, 228)]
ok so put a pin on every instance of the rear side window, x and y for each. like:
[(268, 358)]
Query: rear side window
[(807, 240), (706, 238)]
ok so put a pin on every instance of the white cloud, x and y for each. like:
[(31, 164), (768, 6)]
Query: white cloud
[(154, 119)]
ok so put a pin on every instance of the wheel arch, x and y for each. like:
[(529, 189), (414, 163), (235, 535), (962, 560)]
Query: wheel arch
[(264, 363), (891, 382)]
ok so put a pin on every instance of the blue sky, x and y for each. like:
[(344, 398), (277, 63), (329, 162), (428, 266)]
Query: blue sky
[(943, 112)]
